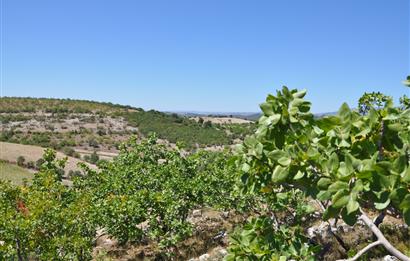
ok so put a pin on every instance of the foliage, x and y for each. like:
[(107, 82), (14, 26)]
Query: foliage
[(346, 161), (50, 105), (276, 233), (45, 220), (21, 161), (175, 128), (149, 184), (375, 100), (260, 240)]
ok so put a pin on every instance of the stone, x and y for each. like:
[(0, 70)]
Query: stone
[(197, 213), (204, 257)]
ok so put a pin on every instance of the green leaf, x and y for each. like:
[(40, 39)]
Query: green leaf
[(406, 216), (276, 155), (358, 186), (273, 119), (299, 175), (330, 212), (267, 108), (344, 111), (333, 163), (279, 174), (352, 206), (324, 183), (299, 94), (344, 144), (246, 167), (284, 161), (337, 186), (349, 218), (340, 199), (324, 195), (382, 205), (318, 130), (406, 175), (282, 258), (405, 204)]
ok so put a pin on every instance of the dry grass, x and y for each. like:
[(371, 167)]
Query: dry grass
[(11, 151), (14, 173)]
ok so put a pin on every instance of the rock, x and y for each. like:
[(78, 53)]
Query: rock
[(204, 257), (197, 213), (390, 258), (223, 252)]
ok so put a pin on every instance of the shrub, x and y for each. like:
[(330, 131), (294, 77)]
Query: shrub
[(39, 163), (69, 151), (31, 165), (93, 143), (21, 161)]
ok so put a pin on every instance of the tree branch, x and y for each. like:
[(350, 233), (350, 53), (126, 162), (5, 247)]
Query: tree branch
[(383, 241), (361, 252)]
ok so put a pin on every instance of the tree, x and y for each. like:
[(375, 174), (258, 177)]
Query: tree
[(94, 157), (21, 161), (342, 161), (45, 220)]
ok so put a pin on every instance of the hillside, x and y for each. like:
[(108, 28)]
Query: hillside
[(87, 125)]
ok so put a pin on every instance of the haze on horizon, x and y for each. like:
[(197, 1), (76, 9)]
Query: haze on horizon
[(214, 56)]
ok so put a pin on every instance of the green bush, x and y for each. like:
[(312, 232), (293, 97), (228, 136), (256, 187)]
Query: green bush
[(21, 161)]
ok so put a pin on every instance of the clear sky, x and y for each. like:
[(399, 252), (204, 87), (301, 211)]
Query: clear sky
[(213, 55)]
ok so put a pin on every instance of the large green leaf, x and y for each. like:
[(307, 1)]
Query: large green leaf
[(279, 174), (344, 112), (340, 199), (324, 183), (338, 186), (352, 206), (267, 108)]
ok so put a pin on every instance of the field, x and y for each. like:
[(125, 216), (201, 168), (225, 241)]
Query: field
[(9, 152), (14, 173)]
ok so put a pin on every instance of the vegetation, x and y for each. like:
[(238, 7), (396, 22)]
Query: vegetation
[(175, 128), (146, 184), (44, 220), (51, 112), (347, 163), (14, 173), (49, 105), (293, 165), (21, 161)]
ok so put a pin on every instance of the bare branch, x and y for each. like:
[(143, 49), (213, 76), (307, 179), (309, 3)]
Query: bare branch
[(361, 252), (376, 231)]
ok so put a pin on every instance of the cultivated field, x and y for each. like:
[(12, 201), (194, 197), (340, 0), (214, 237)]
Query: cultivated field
[(11, 151)]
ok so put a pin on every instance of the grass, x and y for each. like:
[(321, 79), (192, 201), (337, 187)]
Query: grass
[(14, 173)]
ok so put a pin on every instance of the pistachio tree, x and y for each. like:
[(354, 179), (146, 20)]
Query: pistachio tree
[(348, 162)]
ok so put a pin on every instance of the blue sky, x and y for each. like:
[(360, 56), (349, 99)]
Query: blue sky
[(214, 55)]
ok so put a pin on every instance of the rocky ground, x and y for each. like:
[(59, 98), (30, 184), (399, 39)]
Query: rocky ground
[(211, 239)]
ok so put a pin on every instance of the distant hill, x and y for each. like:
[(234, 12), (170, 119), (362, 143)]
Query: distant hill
[(252, 116), (82, 124)]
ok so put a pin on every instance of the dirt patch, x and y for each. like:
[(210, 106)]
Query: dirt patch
[(222, 120), (11, 151)]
